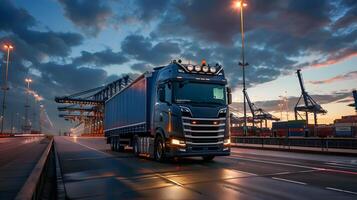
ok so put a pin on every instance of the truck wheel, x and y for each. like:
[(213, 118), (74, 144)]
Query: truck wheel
[(118, 147), (136, 146), (121, 148), (111, 144), (159, 149), (207, 158)]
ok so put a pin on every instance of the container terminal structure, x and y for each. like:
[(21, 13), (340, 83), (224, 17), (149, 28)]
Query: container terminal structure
[(86, 108)]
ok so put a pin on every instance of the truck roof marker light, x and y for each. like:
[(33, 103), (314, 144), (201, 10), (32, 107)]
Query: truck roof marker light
[(190, 67), (205, 68), (197, 68), (203, 62), (212, 69)]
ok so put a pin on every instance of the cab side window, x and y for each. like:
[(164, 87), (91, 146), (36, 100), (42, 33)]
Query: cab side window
[(168, 92)]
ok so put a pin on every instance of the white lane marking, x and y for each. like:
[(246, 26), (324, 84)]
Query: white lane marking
[(284, 173), (275, 163), (168, 179), (87, 158), (341, 164), (252, 174), (339, 190), (287, 180), (90, 148)]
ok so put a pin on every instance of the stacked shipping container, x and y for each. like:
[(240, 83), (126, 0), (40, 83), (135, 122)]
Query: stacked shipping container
[(346, 126), (293, 128)]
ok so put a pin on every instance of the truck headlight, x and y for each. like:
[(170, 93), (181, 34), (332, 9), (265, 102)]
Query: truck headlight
[(227, 141), (198, 68), (178, 142), (223, 110)]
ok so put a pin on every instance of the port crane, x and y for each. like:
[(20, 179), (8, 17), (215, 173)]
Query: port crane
[(258, 114), (354, 92), (87, 107), (309, 104)]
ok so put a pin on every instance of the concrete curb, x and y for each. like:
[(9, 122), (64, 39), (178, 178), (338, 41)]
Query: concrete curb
[(61, 189), (29, 188), (294, 149)]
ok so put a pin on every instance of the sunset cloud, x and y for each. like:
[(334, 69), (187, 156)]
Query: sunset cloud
[(349, 76)]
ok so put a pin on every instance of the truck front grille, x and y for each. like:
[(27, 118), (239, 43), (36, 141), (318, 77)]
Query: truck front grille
[(204, 131)]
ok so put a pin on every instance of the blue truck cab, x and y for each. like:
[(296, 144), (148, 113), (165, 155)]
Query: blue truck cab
[(178, 110)]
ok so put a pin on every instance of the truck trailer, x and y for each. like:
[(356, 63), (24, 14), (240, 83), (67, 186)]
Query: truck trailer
[(178, 110)]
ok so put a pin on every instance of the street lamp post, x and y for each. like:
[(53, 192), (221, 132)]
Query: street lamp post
[(240, 5), (27, 106), (8, 47), (18, 124)]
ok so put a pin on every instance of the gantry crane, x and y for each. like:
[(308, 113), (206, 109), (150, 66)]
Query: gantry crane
[(87, 106), (354, 92), (258, 114), (309, 106)]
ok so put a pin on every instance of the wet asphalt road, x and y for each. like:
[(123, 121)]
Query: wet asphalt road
[(18, 157), (91, 171)]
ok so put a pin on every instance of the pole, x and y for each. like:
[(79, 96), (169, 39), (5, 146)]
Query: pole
[(5, 88), (27, 106), (287, 106), (12, 122), (39, 119), (18, 123), (243, 64)]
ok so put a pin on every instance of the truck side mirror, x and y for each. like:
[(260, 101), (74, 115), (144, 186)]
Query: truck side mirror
[(162, 94), (229, 94)]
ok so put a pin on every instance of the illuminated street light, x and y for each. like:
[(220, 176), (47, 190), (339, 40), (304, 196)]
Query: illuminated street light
[(7, 47), (27, 106), (28, 81), (240, 5)]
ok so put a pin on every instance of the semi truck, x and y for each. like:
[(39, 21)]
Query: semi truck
[(178, 110)]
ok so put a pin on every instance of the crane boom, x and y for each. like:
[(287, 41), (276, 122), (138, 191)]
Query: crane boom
[(310, 105)]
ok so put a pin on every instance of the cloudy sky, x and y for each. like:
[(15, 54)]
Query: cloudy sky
[(67, 46)]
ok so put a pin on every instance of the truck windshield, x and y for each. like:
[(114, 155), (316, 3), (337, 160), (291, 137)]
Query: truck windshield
[(190, 92)]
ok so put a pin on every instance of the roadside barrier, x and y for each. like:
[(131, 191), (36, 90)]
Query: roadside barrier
[(323, 143), (35, 183)]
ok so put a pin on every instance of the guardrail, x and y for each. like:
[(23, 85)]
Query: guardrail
[(35, 183), (323, 143)]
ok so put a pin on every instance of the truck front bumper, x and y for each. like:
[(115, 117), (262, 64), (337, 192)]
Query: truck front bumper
[(197, 150)]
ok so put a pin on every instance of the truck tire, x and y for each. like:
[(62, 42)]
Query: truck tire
[(136, 146), (121, 148), (159, 149), (118, 147), (112, 144), (207, 158)]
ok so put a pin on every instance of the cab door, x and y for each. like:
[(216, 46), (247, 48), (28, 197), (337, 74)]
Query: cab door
[(162, 116)]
